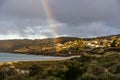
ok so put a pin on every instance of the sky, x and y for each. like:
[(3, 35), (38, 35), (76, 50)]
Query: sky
[(30, 19)]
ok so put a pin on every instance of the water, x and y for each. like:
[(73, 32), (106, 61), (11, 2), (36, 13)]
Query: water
[(8, 57)]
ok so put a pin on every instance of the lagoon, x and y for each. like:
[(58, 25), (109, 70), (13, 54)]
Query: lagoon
[(10, 57)]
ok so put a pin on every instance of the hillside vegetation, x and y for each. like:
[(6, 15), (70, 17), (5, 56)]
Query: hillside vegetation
[(11, 45), (87, 67), (100, 59), (60, 46)]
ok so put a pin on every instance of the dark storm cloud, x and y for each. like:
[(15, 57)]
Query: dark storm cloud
[(82, 11), (70, 11), (80, 18), (1, 2), (23, 8), (88, 17)]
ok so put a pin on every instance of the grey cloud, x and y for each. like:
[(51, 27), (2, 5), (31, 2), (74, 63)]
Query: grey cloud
[(80, 18), (70, 11), (23, 8), (89, 30), (1, 2), (82, 11)]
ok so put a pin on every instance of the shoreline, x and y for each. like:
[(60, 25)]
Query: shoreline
[(49, 54), (52, 59)]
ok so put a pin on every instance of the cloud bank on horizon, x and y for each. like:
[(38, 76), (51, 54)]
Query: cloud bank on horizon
[(80, 18)]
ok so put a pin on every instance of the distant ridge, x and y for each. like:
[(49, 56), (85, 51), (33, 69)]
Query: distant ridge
[(10, 45)]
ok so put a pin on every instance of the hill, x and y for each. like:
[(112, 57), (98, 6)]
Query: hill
[(61, 45), (10, 45)]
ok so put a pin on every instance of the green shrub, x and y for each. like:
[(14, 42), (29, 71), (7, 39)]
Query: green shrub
[(34, 70), (115, 69), (107, 76), (16, 77), (73, 72), (88, 76), (52, 78), (1, 76)]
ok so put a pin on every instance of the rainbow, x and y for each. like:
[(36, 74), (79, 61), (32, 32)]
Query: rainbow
[(51, 19)]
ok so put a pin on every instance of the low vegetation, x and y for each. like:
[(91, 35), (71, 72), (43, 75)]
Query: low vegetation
[(86, 67), (100, 60)]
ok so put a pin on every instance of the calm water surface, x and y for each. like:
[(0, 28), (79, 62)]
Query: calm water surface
[(8, 57)]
